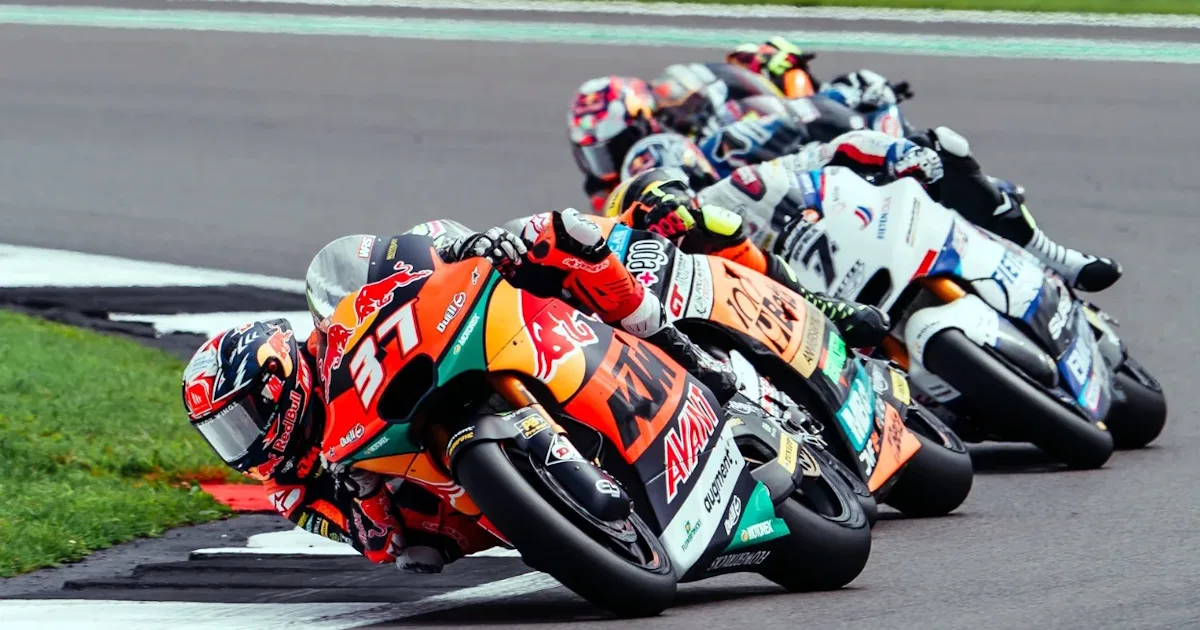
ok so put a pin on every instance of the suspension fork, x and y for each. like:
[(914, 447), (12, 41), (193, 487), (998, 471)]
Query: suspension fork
[(946, 291)]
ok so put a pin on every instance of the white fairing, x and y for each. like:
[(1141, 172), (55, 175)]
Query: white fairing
[(897, 228), (969, 314), (692, 516), (776, 182)]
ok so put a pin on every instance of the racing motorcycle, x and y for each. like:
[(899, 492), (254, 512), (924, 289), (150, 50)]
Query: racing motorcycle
[(603, 462), (997, 343), (783, 350)]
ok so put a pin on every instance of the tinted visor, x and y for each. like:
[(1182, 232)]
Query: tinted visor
[(603, 159), (233, 431)]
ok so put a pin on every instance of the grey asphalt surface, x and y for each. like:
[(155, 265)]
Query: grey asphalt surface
[(249, 152)]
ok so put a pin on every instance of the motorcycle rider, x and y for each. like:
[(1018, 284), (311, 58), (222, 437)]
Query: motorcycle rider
[(567, 255), (768, 198), (609, 114), (786, 66), (253, 394), (660, 201)]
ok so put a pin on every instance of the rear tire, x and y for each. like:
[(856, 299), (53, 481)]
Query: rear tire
[(551, 543), (1139, 420), (998, 394), (830, 540)]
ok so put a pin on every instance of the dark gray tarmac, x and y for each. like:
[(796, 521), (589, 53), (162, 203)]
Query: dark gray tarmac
[(249, 152)]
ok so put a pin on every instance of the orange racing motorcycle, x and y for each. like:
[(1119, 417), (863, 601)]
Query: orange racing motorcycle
[(603, 462), (783, 351)]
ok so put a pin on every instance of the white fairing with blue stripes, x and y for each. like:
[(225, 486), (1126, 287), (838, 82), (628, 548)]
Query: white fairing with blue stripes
[(871, 236)]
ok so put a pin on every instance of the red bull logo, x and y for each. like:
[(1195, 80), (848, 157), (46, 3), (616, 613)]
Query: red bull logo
[(377, 295), (555, 339), (369, 300), (336, 338)]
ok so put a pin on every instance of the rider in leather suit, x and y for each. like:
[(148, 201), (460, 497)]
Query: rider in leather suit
[(718, 109), (766, 194), (257, 396)]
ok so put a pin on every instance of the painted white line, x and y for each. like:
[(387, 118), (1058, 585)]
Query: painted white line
[(298, 542), (69, 614), (525, 584), (210, 324), (37, 267), (853, 14)]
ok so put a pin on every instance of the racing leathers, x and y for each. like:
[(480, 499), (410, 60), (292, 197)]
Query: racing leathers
[(765, 193), (386, 523), (660, 201), (786, 66), (570, 256)]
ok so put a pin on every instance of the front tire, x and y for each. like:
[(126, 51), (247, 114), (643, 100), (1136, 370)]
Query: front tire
[(865, 499), (552, 543), (998, 394), (829, 539), (1139, 420), (938, 479)]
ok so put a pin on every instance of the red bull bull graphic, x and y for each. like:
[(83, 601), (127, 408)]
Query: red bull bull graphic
[(370, 299), (554, 338)]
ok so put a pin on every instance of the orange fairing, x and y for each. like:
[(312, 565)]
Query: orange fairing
[(359, 372), (899, 445)]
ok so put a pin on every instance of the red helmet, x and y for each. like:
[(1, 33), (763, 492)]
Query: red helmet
[(247, 391), (607, 116)]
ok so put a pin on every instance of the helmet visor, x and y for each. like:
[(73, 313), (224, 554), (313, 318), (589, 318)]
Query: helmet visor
[(233, 431), (603, 158)]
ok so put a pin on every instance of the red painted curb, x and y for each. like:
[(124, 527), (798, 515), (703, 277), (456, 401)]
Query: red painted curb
[(240, 497)]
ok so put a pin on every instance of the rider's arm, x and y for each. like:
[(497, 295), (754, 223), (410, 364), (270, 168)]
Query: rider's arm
[(306, 496), (868, 152)]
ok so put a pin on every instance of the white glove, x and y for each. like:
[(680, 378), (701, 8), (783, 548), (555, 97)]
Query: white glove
[(864, 88), (920, 162)]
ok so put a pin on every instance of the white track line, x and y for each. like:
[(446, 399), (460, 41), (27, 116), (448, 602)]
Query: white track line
[(72, 614), (210, 324), (37, 267), (299, 542), (731, 12)]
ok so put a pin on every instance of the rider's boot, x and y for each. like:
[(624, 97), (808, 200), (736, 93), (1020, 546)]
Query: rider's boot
[(861, 325), (974, 195), (1084, 272)]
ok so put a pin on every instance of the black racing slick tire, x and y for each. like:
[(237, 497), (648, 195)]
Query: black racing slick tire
[(867, 500), (829, 540), (938, 478), (550, 542), (996, 393), (1140, 418)]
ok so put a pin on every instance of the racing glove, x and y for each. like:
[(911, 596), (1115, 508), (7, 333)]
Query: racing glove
[(502, 248), (920, 163), (864, 90)]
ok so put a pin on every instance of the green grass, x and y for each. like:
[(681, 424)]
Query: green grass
[(1081, 6), (95, 448)]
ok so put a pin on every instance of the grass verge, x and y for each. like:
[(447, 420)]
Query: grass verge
[(1182, 7), (94, 445)]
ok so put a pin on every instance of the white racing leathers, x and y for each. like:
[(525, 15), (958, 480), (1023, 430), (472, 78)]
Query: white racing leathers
[(771, 195)]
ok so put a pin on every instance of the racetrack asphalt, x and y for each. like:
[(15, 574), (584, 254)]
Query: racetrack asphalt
[(249, 152)]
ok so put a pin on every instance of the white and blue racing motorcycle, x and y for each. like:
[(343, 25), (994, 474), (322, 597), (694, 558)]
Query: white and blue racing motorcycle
[(997, 343)]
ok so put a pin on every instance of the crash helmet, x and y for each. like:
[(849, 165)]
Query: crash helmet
[(626, 200), (607, 116), (670, 150), (247, 391)]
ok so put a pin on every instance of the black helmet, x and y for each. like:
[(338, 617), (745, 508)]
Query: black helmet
[(247, 391), (626, 198)]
